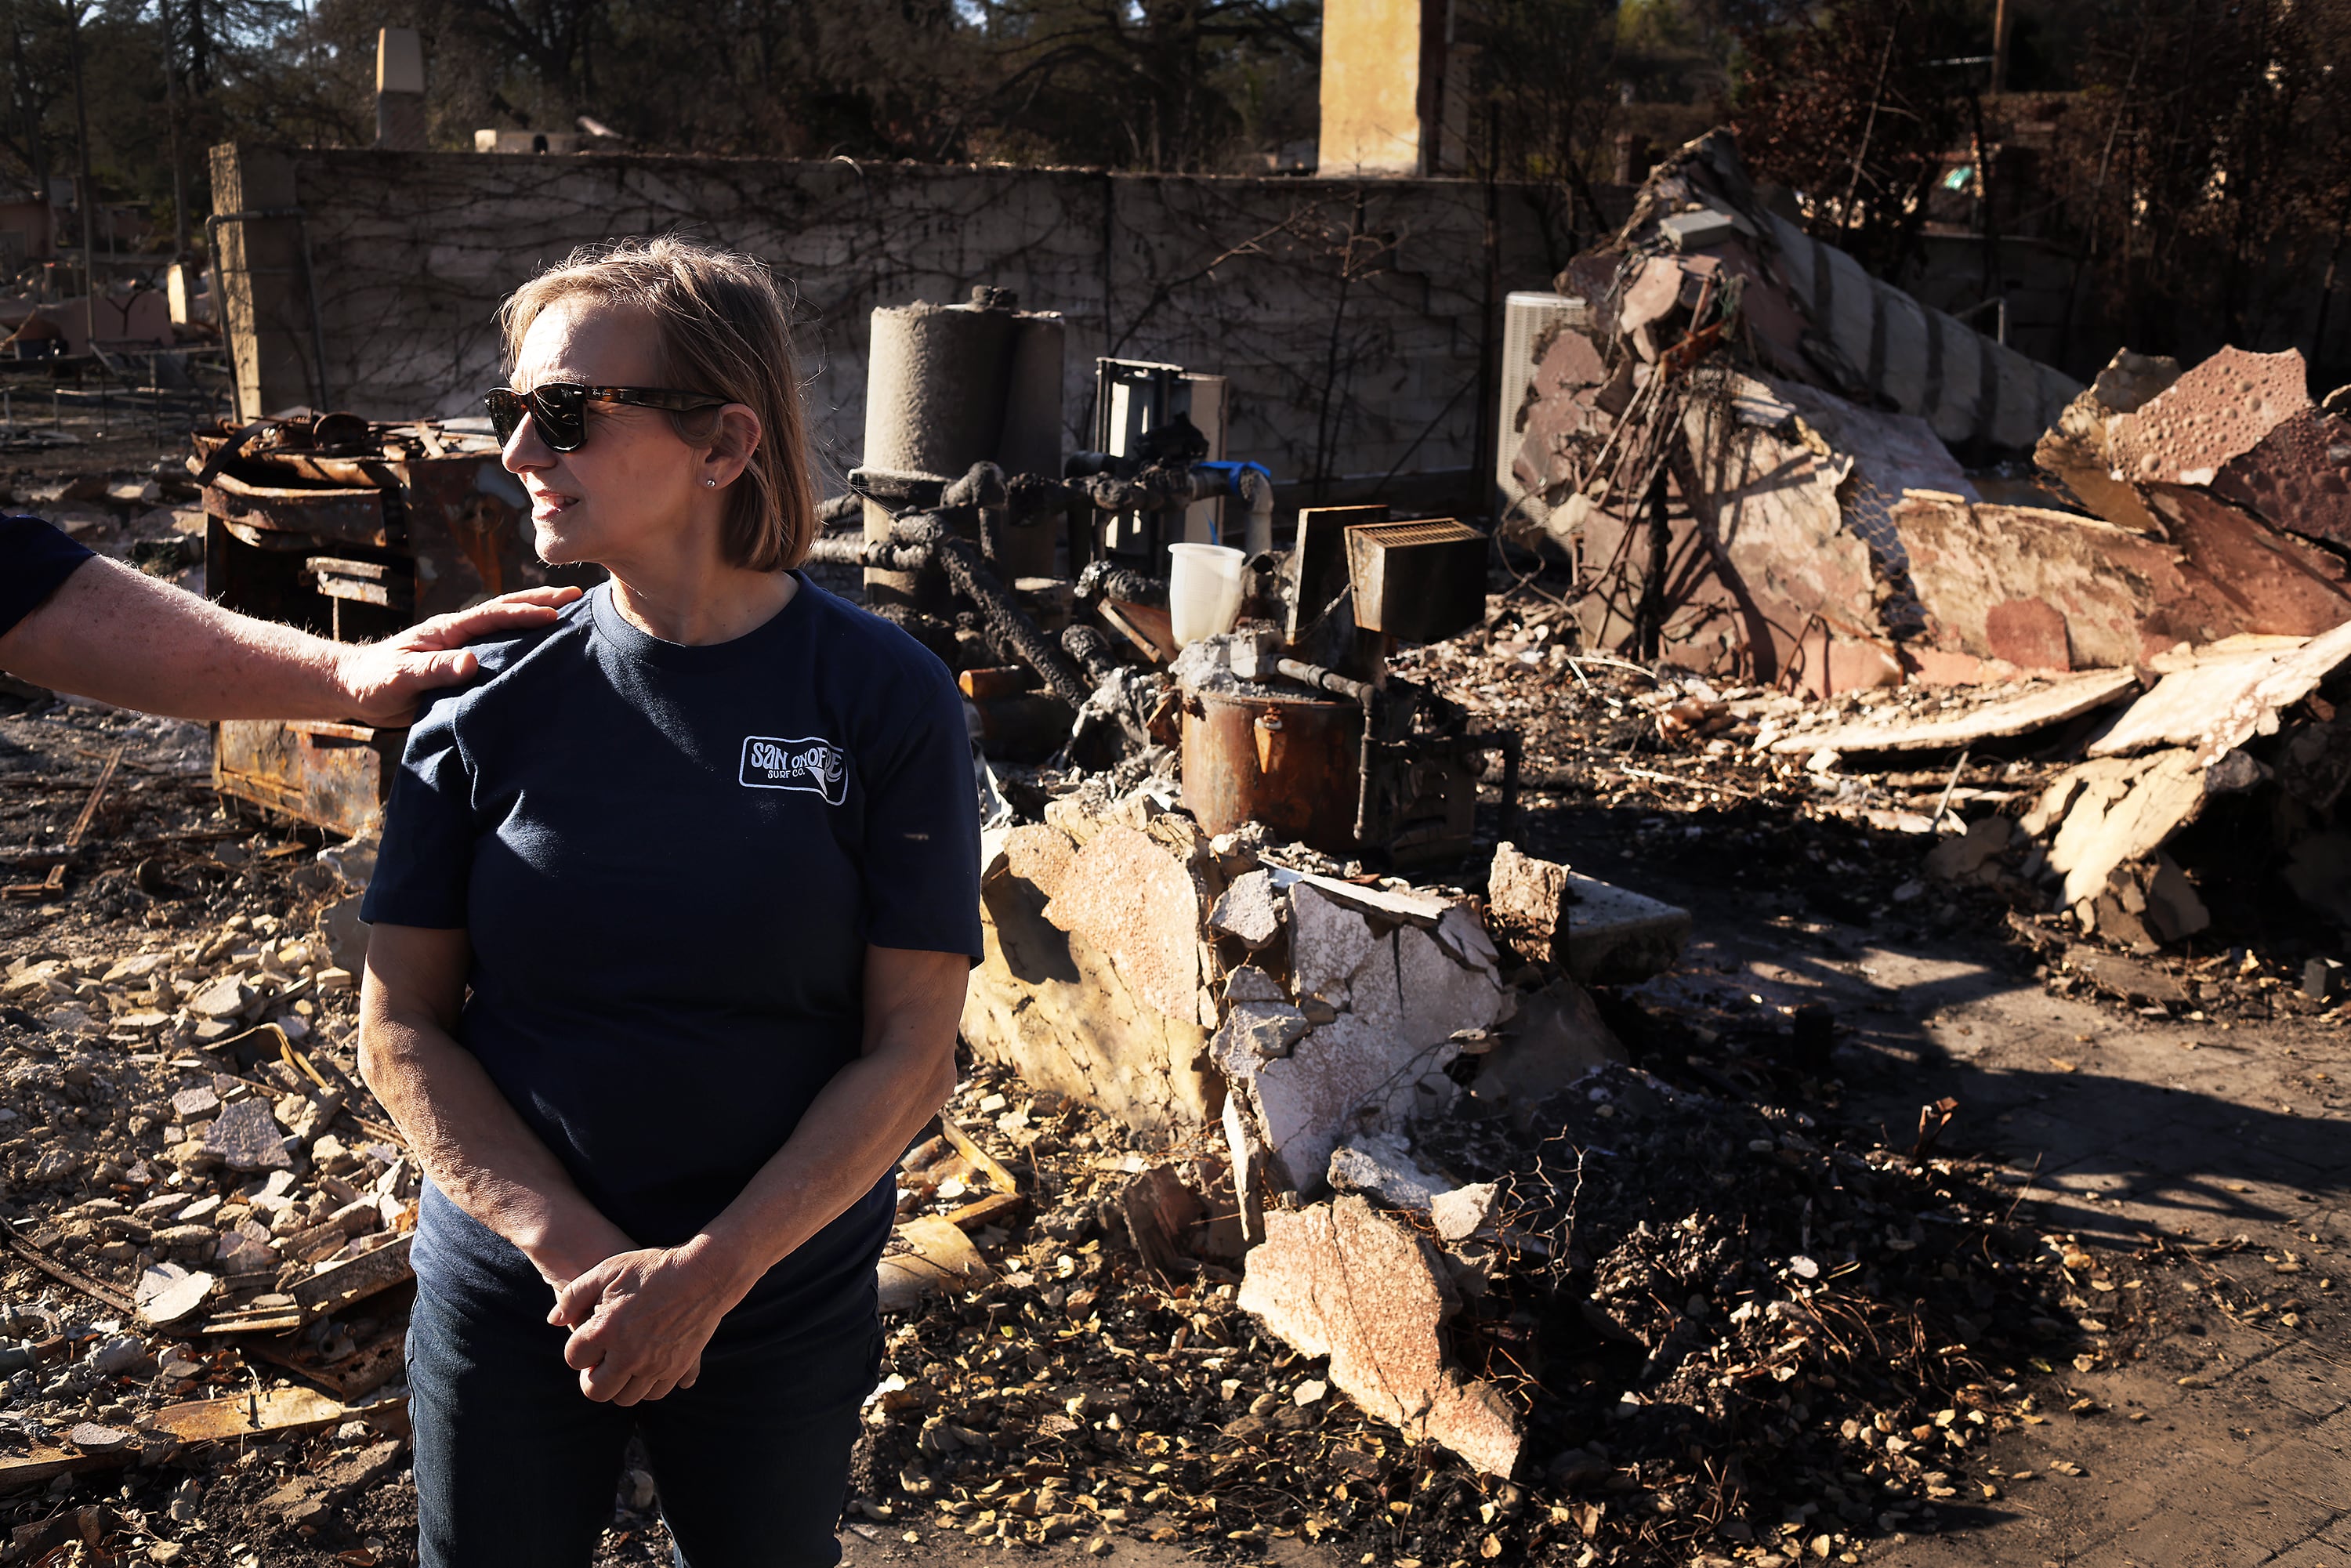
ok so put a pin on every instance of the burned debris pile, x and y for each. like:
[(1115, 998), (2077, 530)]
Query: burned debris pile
[(1679, 1326), (1746, 457)]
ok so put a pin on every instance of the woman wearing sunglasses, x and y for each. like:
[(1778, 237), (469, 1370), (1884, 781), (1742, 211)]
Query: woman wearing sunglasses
[(672, 923)]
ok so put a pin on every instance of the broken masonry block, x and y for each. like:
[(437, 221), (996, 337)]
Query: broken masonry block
[(1381, 1166), (1619, 938), (1343, 1281), (1061, 1008), (1396, 992), (1251, 909), (1141, 906), (1527, 904), (2219, 410)]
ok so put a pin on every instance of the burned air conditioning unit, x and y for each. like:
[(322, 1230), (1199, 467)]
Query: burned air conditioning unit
[(353, 530)]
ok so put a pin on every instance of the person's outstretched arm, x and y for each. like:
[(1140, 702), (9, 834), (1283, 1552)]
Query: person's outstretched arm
[(119, 636)]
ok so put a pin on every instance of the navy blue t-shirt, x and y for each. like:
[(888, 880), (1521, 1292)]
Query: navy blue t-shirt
[(670, 861), (34, 560)]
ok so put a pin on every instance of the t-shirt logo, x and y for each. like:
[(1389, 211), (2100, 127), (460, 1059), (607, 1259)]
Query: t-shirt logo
[(814, 765)]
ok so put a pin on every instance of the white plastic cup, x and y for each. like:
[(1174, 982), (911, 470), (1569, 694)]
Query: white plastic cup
[(1204, 591)]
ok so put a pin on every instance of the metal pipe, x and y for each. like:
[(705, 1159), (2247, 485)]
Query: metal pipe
[(850, 549), (971, 578), (1100, 581), (1327, 679), (1256, 489), (1092, 650), (1513, 749)]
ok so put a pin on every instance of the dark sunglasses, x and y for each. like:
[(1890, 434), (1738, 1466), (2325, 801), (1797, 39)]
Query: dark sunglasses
[(561, 408)]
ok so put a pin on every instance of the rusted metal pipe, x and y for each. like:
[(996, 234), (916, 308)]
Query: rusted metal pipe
[(1092, 650), (1327, 679), (1513, 749), (972, 578), (1102, 581), (854, 549)]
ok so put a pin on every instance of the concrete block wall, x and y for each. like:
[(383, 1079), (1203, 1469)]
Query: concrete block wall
[(1347, 313)]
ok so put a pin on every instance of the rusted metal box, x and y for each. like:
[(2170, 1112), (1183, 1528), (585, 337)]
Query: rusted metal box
[(334, 774), (1420, 581), (353, 530)]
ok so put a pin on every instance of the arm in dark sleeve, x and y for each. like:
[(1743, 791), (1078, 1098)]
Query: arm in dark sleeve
[(922, 826), (34, 559), (422, 870)]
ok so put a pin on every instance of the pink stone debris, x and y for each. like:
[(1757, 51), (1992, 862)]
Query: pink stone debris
[(1343, 1281)]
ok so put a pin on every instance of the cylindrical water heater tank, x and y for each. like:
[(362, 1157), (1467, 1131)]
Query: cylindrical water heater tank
[(951, 385)]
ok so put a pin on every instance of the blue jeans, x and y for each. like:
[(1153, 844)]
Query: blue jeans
[(516, 1468)]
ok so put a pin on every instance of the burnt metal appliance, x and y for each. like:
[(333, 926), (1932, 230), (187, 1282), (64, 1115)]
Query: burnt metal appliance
[(1275, 747), (1290, 761), (353, 530)]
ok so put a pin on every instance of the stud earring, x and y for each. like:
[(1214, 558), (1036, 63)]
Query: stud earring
[(710, 484)]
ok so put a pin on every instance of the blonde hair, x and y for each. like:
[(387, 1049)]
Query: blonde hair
[(721, 328)]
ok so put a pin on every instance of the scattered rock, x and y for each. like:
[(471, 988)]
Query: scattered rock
[(221, 999), (245, 1137)]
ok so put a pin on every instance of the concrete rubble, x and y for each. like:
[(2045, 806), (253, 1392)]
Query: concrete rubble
[(2171, 623), (1768, 519), (2247, 725), (1189, 985), (1343, 1281)]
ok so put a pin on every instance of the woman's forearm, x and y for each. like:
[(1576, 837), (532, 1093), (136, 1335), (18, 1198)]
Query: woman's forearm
[(856, 1127), (853, 1132), (480, 1152)]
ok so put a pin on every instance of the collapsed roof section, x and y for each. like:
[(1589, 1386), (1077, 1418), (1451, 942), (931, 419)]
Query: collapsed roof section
[(1813, 314), (1742, 447)]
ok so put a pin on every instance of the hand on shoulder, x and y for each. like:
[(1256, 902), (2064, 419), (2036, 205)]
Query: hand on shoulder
[(385, 681)]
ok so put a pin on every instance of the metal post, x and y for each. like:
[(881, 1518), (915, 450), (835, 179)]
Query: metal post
[(88, 188), (220, 296)]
